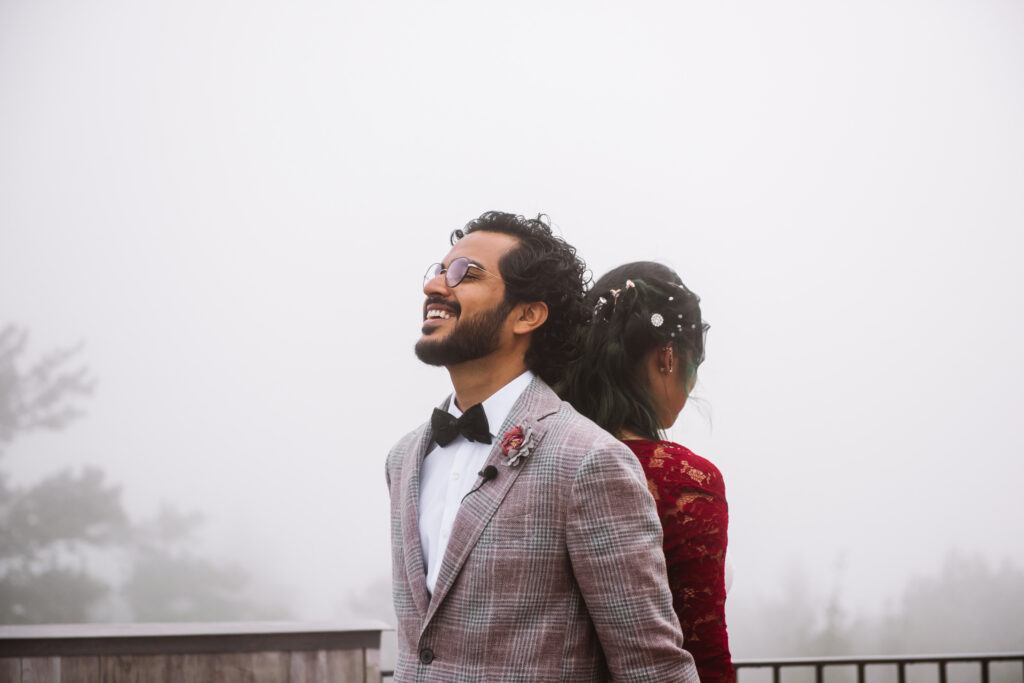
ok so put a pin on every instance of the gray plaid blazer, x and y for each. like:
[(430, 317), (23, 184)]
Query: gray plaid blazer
[(554, 570)]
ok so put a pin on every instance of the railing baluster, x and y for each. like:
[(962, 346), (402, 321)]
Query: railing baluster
[(860, 672), (819, 673), (984, 671), (776, 675), (901, 672), (942, 671)]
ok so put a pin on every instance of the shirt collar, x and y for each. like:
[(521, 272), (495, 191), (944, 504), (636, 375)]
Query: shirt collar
[(499, 404)]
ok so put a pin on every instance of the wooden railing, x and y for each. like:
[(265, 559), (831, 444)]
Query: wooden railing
[(260, 652)]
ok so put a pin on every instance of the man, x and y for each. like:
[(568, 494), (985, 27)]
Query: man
[(525, 544)]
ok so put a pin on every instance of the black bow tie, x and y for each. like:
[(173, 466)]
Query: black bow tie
[(472, 425)]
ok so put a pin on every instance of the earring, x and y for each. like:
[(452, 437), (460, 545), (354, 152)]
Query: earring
[(669, 360)]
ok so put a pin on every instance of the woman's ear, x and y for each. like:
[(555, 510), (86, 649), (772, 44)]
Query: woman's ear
[(666, 360), (529, 317)]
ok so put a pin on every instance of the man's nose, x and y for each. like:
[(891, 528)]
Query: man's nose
[(437, 285)]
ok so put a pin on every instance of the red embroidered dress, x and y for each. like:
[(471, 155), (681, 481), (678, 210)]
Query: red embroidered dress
[(695, 517)]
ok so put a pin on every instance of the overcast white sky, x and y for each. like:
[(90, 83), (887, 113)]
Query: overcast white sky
[(232, 205)]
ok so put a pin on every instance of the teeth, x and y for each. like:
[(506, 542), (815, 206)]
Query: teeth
[(434, 313)]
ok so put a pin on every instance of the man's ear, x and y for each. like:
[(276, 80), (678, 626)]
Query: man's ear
[(529, 316)]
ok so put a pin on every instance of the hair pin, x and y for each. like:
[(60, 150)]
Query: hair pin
[(656, 319)]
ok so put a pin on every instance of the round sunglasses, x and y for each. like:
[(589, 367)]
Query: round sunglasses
[(454, 273)]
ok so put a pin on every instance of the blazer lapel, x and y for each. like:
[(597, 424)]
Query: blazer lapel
[(415, 573), (536, 402)]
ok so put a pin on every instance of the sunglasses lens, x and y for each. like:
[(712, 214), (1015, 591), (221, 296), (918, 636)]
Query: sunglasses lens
[(433, 271), (456, 271)]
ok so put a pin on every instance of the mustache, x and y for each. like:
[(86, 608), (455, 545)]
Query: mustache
[(435, 299)]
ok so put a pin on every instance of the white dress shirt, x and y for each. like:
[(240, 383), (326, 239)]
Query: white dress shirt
[(450, 472)]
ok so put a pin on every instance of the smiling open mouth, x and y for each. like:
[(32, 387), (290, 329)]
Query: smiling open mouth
[(438, 313), (438, 310)]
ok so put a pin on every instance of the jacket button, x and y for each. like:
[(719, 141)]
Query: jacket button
[(426, 655)]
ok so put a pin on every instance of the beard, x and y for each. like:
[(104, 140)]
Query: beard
[(470, 338)]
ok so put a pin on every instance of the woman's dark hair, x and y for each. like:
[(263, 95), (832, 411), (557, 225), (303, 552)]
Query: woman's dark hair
[(543, 267), (635, 308)]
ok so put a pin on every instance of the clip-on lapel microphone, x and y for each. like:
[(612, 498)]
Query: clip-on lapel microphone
[(486, 474)]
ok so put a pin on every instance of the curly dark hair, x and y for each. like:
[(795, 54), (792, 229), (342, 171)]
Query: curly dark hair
[(544, 267), (635, 308)]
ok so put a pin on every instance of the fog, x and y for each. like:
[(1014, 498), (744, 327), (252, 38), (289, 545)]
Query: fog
[(231, 206)]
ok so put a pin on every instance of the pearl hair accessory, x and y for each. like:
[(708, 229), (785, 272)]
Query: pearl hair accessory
[(656, 319)]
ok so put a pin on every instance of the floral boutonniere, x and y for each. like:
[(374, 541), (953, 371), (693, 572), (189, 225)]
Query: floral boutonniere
[(515, 445)]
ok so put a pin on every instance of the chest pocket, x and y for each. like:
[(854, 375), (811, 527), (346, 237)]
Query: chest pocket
[(507, 529)]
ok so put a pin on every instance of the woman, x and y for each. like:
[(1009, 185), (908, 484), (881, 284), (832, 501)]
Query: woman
[(638, 366)]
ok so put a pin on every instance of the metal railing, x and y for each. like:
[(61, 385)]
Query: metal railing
[(899, 663), (896, 663)]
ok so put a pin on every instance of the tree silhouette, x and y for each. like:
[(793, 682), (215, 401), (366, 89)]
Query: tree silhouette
[(44, 529), (983, 602), (169, 583), (965, 605), (51, 532), (42, 397)]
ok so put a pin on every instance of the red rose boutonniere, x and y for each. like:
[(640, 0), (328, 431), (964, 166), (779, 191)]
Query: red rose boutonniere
[(515, 445)]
